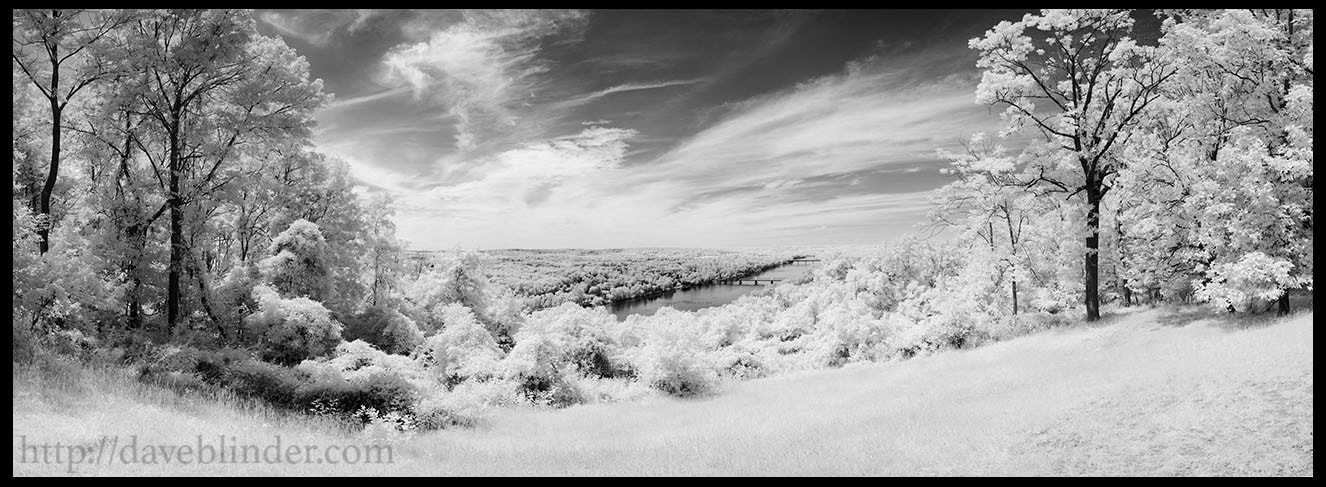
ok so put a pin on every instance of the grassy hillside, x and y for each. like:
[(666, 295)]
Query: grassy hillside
[(1152, 392)]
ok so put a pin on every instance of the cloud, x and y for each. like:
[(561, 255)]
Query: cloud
[(481, 68), (369, 98), (624, 88), (835, 124), (522, 178), (842, 158), (317, 27)]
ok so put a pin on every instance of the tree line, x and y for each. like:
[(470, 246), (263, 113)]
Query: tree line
[(1182, 166), (158, 151)]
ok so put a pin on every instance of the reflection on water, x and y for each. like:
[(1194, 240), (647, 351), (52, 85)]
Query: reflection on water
[(704, 296)]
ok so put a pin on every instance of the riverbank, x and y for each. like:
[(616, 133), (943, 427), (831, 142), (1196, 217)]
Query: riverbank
[(716, 293)]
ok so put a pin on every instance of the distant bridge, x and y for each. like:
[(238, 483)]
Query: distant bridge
[(805, 260)]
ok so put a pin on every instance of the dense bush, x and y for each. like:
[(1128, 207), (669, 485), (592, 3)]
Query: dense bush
[(298, 263), (385, 328), (463, 349), (64, 288), (233, 300), (674, 359), (583, 337), (1244, 285), (293, 329), (538, 365)]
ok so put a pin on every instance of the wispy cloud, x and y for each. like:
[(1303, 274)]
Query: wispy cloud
[(514, 137), (481, 68), (317, 27), (842, 157), (580, 100), (369, 98)]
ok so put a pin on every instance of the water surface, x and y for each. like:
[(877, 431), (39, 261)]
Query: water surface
[(705, 296)]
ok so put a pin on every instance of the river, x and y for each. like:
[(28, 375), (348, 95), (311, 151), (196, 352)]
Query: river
[(698, 297)]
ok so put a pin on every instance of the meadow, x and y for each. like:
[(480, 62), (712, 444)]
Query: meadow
[(1088, 290), (1146, 391)]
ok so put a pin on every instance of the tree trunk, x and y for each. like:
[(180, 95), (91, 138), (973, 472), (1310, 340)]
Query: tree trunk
[(138, 239), (1284, 304), (1092, 291), (1015, 296), (44, 200), (176, 233), (200, 278), (1124, 294)]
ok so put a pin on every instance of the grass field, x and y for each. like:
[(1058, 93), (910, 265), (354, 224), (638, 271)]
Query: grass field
[(1169, 391)]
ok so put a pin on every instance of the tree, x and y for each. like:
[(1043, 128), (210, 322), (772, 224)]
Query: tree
[(298, 263), (213, 85), (292, 329), (1244, 86), (1080, 81), (987, 203), (384, 251), (51, 43)]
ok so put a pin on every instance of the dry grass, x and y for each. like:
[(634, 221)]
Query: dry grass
[(1152, 392)]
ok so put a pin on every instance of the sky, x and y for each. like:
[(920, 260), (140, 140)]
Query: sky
[(639, 128)]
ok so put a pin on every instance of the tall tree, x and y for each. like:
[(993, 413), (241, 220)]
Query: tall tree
[(383, 258), (985, 202), (58, 51), (1081, 82), (1245, 85), (213, 85)]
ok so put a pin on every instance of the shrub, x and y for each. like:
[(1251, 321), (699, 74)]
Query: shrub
[(462, 349), (64, 288), (298, 263), (538, 365), (385, 328), (233, 299), (272, 383), (1255, 278), (292, 330), (674, 359), (381, 390), (465, 405), (582, 334), (848, 333)]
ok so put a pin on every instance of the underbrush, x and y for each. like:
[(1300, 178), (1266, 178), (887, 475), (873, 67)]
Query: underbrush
[(443, 364)]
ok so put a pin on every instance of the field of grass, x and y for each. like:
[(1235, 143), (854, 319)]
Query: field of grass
[(1167, 391)]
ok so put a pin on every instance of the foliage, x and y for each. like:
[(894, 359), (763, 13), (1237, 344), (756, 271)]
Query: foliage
[(298, 263), (292, 329), (463, 349), (386, 329)]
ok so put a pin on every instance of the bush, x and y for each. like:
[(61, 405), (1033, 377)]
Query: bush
[(463, 349), (674, 359), (381, 391), (292, 330), (538, 365), (278, 386), (298, 263), (1244, 285), (385, 328), (233, 300), (464, 405), (63, 289), (582, 334)]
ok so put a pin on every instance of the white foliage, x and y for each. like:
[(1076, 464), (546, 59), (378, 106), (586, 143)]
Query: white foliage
[(292, 329)]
